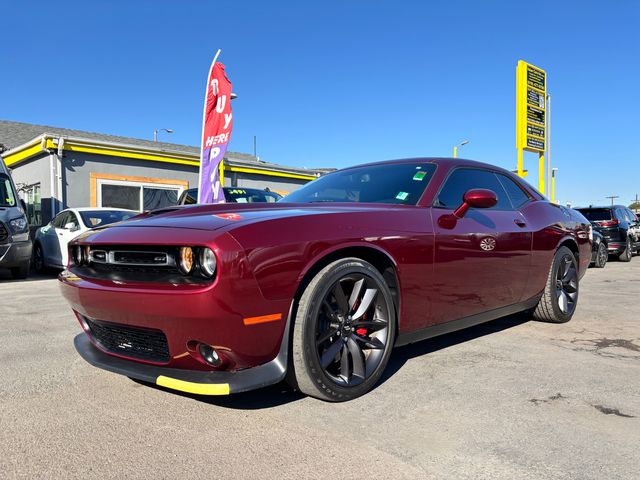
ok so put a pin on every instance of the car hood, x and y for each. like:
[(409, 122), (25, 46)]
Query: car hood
[(214, 217)]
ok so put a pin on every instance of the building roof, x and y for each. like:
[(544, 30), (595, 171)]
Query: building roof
[(16, 134)]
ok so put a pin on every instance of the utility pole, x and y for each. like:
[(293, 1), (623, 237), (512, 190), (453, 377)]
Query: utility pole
[(637, 209), (613, 197)]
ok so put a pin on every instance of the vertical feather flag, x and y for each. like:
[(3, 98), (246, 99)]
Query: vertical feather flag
[(216, 131)]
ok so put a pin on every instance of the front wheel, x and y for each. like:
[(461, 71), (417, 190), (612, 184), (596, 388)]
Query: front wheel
[(38, 259), (560, 297), (344, 331)]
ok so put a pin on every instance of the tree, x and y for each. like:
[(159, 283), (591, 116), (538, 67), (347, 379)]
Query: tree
[(635, 206)]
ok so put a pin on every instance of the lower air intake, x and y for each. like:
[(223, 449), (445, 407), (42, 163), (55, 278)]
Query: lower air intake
[(135, 342)]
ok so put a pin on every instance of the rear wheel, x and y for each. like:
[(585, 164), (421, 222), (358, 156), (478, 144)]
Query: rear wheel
[(602, 256), (560, 297), (343, 332), (627, 254)]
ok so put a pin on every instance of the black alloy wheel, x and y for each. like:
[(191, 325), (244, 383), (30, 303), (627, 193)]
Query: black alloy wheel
[(601, 256), (626, 255), (567, 285), (38, 259), (344, 331), (560, 297), (352, 330)]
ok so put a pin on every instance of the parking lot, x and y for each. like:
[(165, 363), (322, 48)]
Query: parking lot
[(509, 399)]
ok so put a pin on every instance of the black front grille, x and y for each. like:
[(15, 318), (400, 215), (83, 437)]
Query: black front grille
[(4, 234), (135, 342)]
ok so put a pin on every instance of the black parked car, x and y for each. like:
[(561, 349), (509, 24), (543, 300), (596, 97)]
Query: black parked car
[(599, 250), (619, 226), (233, 195)]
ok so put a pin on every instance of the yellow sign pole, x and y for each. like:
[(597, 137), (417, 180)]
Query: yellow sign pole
[(541, 184), (521, 172), (455, 152)]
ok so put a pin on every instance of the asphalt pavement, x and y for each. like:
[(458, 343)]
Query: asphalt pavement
[(511, 399)]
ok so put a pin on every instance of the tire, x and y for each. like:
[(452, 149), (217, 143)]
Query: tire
[(602, 256), (560, 297), (343, 333), (38, 259), (21, 272), (627, 254)]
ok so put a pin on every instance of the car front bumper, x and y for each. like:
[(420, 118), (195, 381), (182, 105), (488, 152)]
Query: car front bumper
[(189, 381), (15, 254)]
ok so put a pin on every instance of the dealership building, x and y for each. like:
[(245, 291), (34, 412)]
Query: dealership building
[(58, 168)]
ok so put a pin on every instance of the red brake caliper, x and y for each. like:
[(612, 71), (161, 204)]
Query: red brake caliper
[(361, 331)]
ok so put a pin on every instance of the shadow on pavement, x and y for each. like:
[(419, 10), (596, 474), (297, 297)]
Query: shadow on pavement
[(281, 393), (400, 355), (5, 276)]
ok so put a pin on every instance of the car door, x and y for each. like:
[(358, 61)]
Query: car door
[(482, 260), (68, 231), (49, 240)]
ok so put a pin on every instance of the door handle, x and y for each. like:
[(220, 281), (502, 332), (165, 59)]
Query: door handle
[(520, 223)]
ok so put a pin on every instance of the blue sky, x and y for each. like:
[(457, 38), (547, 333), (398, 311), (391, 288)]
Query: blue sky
[(336, 83)]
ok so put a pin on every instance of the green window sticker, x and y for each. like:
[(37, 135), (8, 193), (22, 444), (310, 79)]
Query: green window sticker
[(419, 176), (402, 195)]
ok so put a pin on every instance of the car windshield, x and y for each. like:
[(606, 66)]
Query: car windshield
[(7, 196), (235, 195), (250, 195), (596, 214), (95, 218), (393, 183)]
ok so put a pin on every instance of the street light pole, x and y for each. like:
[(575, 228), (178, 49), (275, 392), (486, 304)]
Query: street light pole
[(455, 148), (155, 133), (553, 185)]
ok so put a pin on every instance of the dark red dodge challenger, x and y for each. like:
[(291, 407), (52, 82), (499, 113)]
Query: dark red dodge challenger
[(318, 288)]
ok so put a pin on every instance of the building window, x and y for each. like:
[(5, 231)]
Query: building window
[(136, 195), (31, 196)]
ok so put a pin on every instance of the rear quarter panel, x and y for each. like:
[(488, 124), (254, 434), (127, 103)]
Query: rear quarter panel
[(552, 225)]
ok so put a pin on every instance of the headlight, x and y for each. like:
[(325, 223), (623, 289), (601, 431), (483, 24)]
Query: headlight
[(186, 259), (208, 262), (18, 225)]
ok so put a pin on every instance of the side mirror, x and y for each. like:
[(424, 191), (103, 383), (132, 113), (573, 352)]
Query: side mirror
[(476, 198), (71, 227)]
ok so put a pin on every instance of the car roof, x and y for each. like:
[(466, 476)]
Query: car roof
[(98, 209), (598, 207), (444, 161)]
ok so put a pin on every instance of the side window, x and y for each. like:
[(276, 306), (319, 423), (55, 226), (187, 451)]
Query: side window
[(71, 218), (516, 194), (464, 179), (60, 220)]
